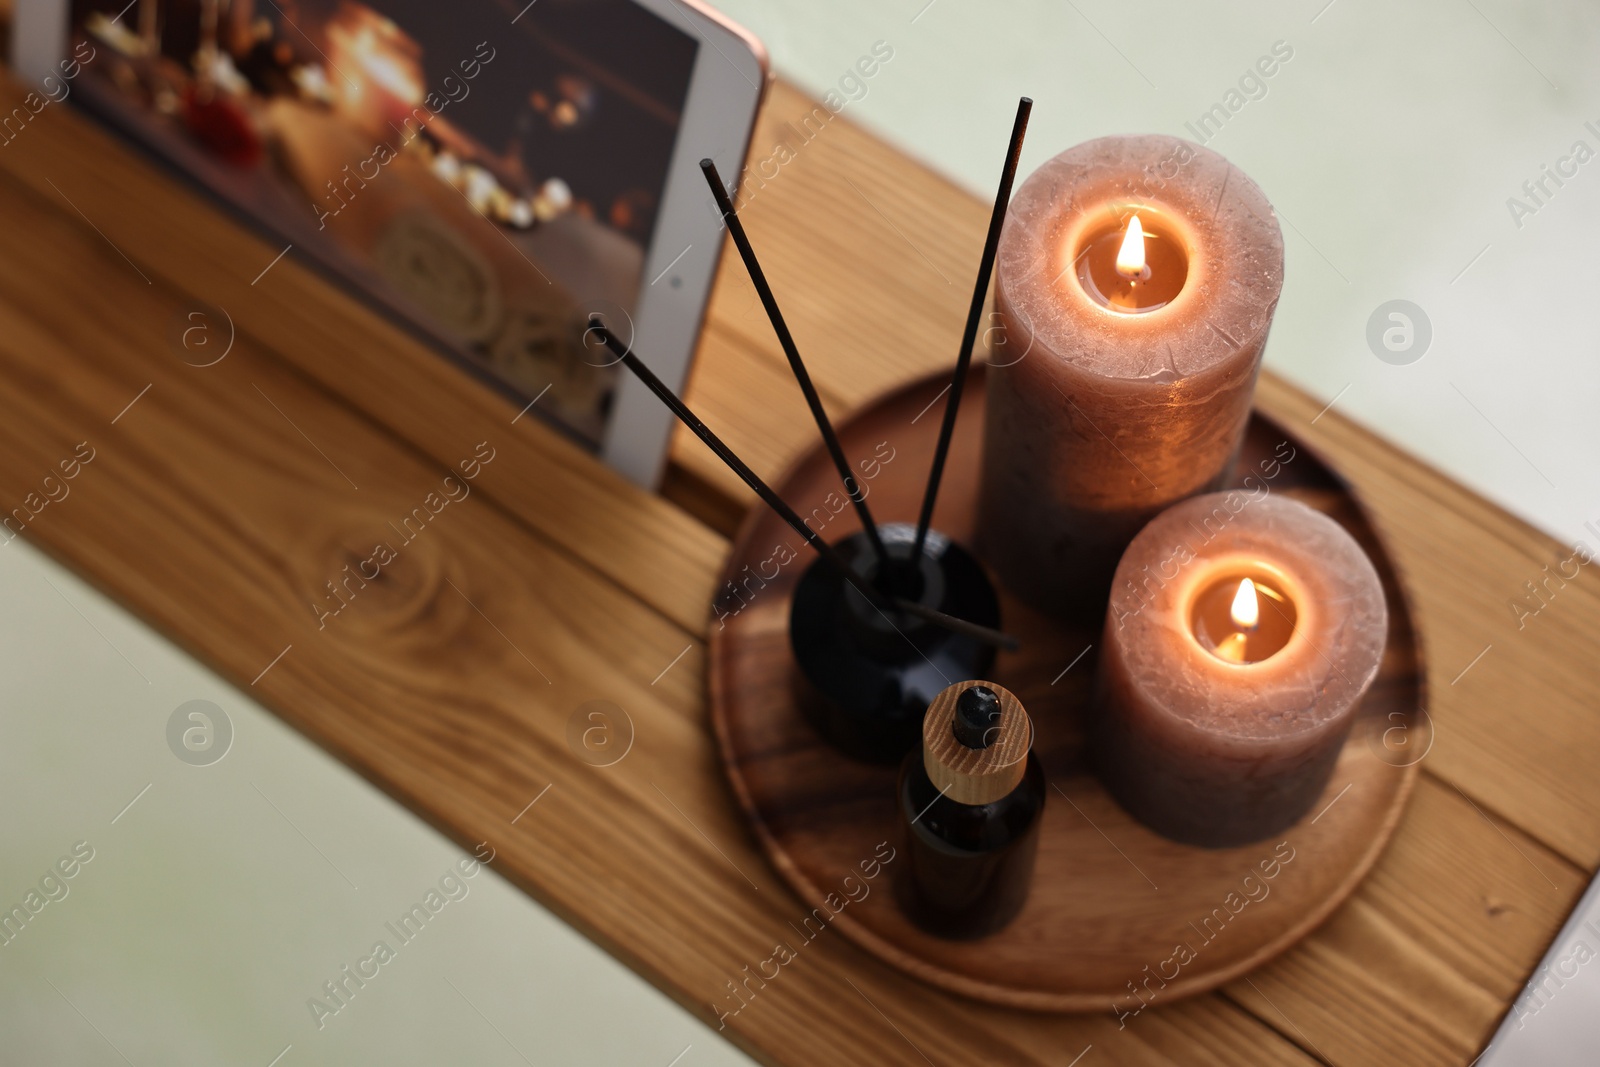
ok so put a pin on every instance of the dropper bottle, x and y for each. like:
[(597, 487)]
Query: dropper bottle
[(970, 803)]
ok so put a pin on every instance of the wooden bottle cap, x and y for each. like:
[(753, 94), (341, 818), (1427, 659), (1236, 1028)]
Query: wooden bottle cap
[(975, 775)]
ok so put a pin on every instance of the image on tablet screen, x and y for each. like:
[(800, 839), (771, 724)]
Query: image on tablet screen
[(488, 172)]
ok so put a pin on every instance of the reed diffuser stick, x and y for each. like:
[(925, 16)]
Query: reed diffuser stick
[(758, 277), (980, 293), (874, 596)]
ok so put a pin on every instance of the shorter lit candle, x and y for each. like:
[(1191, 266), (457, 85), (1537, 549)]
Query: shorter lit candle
[(1243, 632)]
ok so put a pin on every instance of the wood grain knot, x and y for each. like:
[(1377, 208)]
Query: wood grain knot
[(374, 579)]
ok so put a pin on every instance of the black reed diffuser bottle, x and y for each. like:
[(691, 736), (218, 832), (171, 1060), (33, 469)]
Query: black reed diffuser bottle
[(970, 802), (869, 672)]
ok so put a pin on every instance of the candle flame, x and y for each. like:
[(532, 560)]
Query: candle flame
[(1246, 607), (1130, 257)]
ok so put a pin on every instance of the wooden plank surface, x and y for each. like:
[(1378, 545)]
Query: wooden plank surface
[(195, 247), (208, 513), (450, 679)]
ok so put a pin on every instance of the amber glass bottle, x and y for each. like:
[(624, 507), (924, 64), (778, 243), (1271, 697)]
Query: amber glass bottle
[(970, 802)]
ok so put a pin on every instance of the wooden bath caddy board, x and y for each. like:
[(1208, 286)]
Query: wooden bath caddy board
[(1110, 898)]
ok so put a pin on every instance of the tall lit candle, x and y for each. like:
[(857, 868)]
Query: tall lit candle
[(1242, 633), (1136, 281)]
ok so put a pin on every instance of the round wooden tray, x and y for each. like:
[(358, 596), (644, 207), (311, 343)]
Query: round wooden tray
[(1112, 902)]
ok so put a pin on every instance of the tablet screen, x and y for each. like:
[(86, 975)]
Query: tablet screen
[(489, 172)]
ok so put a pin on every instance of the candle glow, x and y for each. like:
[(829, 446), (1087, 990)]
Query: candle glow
[(379, 65), (1136, 261), (1229, 620)]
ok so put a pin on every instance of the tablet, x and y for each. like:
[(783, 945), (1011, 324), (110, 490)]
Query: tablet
[(489, 172)]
